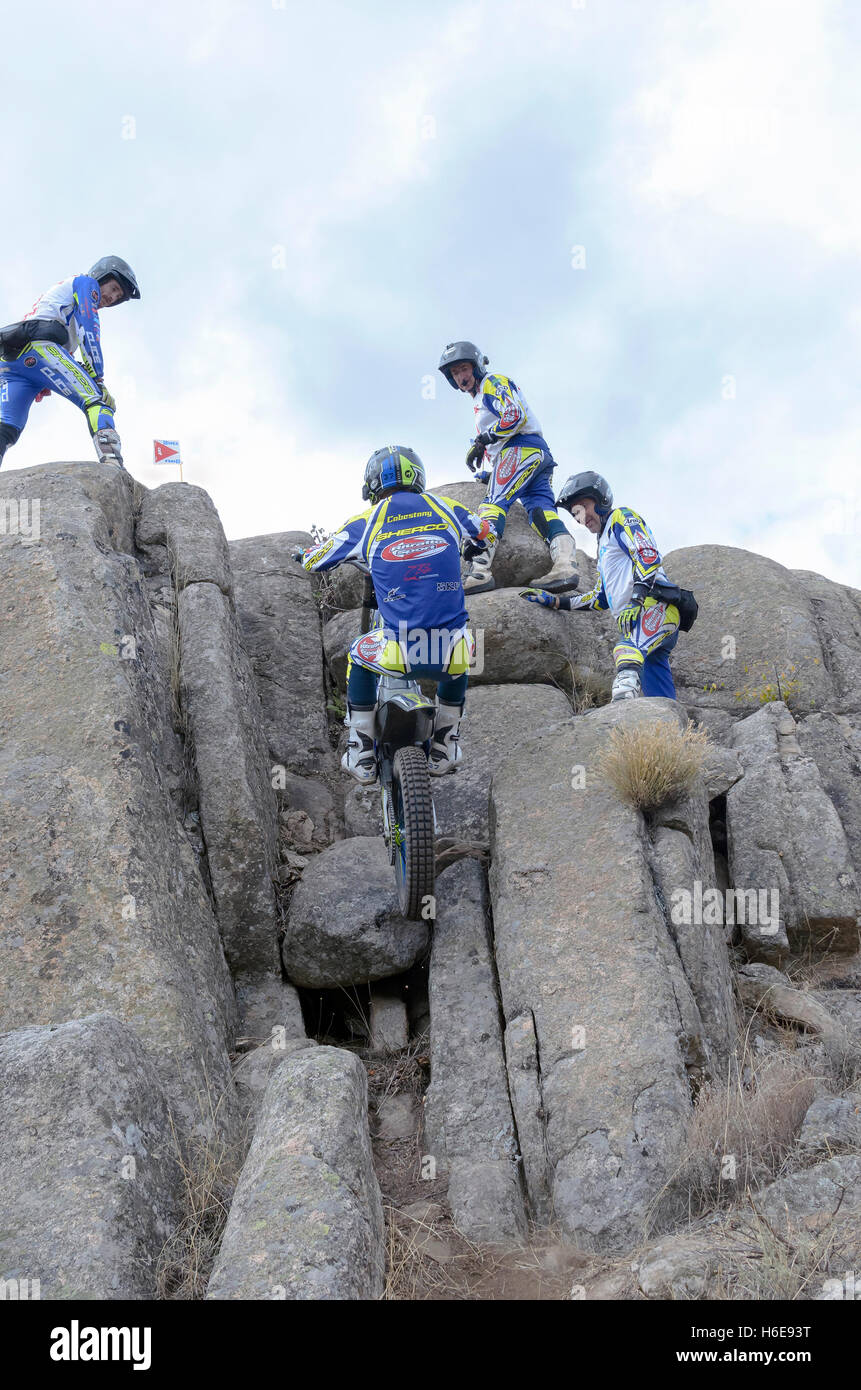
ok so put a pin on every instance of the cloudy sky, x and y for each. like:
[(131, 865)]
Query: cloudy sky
[(648, 214)]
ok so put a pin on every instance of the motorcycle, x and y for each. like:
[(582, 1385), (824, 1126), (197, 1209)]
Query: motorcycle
[(403, 729)]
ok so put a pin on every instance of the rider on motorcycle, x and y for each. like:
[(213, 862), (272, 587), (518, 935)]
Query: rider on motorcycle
[(410, 542), (649, 610), (38, 354)]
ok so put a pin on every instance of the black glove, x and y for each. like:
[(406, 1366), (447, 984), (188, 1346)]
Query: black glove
[(477, 448), (298, 556), (473, 548)]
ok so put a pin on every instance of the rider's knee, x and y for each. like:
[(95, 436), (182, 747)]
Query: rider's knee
[(9, 435)]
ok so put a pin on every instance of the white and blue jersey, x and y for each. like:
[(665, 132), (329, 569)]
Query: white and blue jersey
[(74, 302), (410, 543)]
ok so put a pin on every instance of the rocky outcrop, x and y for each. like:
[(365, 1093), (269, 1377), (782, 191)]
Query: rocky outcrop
[(787, 847), (344, 927), (833, 741), (762, 625), (582, 944), (281, 632), (498, 720), (306, 1220), (832, 1123), (102, 904), (91, 1187), (179, 528), (516, 643), (237, 802), (811, 1198), (468, 1126)]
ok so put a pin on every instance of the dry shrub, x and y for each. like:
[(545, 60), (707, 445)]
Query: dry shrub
[(652, 763), (794, 1262), (743, 1130)]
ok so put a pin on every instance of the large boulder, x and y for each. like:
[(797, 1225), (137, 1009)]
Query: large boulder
[(306, 1221), (787, 846), (344, 926), (521, 555), (809, 1200), (583, 947), (516, 643), (760, 624), (238, 810), (102, 904), (180, 528), (833, 741), (499, 718), (280, 627), (91, 1187), (468, 1126)]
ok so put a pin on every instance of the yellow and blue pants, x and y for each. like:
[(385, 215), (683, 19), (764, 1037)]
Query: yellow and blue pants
[(381, 652), (522, 473), (648, 648), (46, 367)]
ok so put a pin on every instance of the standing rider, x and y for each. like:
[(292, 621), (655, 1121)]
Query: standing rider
[(37, 354), (649, 611), (518, 466), (410, 543)]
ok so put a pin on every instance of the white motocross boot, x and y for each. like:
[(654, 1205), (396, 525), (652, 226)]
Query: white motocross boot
[(360, 760), (626, 686), (480, 580), (107, 443), (446, 751), (564, 575)]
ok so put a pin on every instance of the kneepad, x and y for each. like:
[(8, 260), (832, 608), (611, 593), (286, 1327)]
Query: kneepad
[(9, 434)]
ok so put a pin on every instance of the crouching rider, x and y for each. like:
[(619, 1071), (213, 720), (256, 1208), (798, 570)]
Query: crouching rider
[(38, 354), (511, 455), (649, 610), (410, 543)]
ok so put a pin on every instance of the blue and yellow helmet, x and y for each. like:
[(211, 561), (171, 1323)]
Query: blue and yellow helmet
[(393, 467)]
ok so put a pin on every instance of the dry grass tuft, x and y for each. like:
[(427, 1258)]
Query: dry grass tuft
[(210, 1168), (651, 764), (742, 1133)]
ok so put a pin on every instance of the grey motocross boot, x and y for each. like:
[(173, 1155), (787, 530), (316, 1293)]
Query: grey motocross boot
[(446, 751), (480, 580), (107, 443), (360, 760), (626, 686), (564, 575)]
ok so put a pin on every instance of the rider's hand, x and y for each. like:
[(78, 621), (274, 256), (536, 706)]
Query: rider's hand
[(298, 556), (107, 399), (472, 548), (540, 596), (475, 455), (42, 394), (628, 617)]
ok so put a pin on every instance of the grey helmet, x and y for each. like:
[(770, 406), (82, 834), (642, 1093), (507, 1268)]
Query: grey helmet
[(393, 467), (462, 352), (587, 485), (115, 268)]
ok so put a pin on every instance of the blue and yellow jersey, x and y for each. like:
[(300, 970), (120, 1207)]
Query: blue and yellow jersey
[(500, 406), (74, 302), (410, 542), (627, 554)]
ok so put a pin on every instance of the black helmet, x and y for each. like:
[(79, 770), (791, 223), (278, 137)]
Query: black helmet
[(462, 352), (393, 467), (587, 485), (114, 268)]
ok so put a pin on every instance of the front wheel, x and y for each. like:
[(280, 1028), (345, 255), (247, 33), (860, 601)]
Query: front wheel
[(412, 831)]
